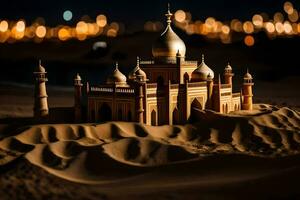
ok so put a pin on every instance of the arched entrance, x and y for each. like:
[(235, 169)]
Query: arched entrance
[(196, 104), (105, 113), (153, 118)]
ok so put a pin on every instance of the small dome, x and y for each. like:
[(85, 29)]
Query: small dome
[(202, 72), (228, 67), (137, 72), (248, 75), (117, 77), (77, 77), (168, 44)]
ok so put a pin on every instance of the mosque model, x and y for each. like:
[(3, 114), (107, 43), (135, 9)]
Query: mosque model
[(161, 91)]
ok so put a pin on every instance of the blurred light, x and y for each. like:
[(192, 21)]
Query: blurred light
[(270, 27), (41, 31), (236, 25), (288, 29), (3, 26), (279, 27), (294, 16), (278, 17), (63, 34), (20, 26), (115, 26), (225, 29), (180, 16), (249, 40), (68, 15), (101, 20), (248, 27), (210, 22), (288, 7), (111, 33), (100, 44), (82, 28), (257, 20)]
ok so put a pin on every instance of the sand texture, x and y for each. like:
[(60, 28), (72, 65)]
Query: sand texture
[(245, 150)]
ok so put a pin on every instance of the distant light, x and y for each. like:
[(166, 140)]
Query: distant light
[(225, 29), (248, 27), (63, 34), (288, 29), (279, 27), (20, 26), (100, 44), (294, 16), (101, 20), (41, 31), (180, 16), (270, 27), (3, 26), (288, 7), (82, 28), (257, 20), (249, 40), (68, 15), (111, 33)]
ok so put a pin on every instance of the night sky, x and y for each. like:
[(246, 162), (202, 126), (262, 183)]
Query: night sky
[(136, 12)]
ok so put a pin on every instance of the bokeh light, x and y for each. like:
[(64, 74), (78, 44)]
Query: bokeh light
[(180, 16), (3, 26), (101, 20), (249, 40), (41, 31), (20, 26), (68, 15)]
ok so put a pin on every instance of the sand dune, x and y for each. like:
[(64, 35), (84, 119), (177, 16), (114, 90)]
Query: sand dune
[(119, 151)]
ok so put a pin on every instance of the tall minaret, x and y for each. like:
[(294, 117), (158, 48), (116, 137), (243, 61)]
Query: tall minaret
[(228, 74), (77, 97), (210, 86), (247, 103), (40, 94)]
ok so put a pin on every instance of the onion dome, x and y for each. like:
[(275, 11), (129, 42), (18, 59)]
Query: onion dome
[(168, 44), (248, 76), (117, 77), (202, 72), (77, 77), (228, 68), (40, 68), (137, 72)]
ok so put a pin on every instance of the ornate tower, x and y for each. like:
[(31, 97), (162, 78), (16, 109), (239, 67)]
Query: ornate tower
[(41, 109), (228, 74), (210, 86), (247, 103), (77, 98)]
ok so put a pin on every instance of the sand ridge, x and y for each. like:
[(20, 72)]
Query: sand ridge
[(119, 151)]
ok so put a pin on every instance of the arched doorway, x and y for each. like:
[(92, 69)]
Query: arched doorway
[(223, 108), (153, 118), (196, 104), (105, 113), (175, 116), (235, 107), (186, 77), (226, 108)]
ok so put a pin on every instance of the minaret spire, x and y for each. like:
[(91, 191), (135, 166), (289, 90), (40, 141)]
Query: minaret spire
[(138, 61), (117, 66), (169, 15), (202, 58)]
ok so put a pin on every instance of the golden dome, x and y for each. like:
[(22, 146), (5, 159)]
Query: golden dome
[(117, 77), (248, 75), (137, 72), (228, 67), (202, 72), (168, 44)]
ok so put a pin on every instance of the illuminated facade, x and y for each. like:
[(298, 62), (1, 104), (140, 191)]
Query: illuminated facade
[(164, 90)]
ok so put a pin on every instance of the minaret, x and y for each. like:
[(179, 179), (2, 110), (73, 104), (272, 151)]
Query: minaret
[(77, 98), (247, 103), (41, 109), (210, 86), (228, 74)]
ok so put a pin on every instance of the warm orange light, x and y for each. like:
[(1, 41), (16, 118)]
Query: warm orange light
[(3, 26), (279, 27), (41, 31), (248, 27), (101, 20), (249, 40), (257, 20), (294, 16), (111, 33), (278, 17), (270, 27), (20, 26), (225, 29), (63, 34), (180, 16), (82, 28), (288, 29), (288, 7)]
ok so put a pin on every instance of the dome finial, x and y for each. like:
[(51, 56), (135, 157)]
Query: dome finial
[(137, 61), (202, 58), (40, 62), (169, 15), (117, 66)]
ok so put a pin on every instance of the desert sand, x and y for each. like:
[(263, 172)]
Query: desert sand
[(241, 155)]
